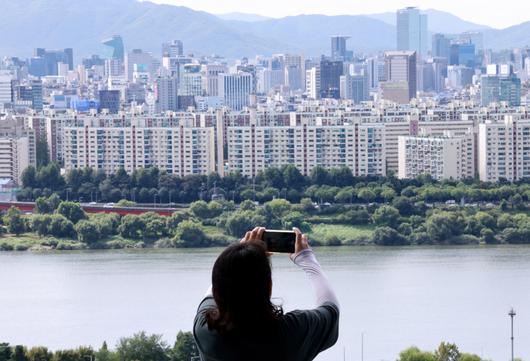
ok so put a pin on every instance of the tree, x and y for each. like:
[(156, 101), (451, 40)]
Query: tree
[(42, 152), (386, 236), (72, 211), (104, 354), (239, 222), (442, 226), (173, 221), (87, 232), (19, 353), (185, 347), (14, 221), (319, 176), (341, 176), (142, 347), (366, 194), (404, 205), (415, 354), (131, 226), (345, 195), (247, 205), (29, 177), (447, 352), (190, 234), (155, 225), (292, 178), (39, 354), (386, 216), (214, 209), (200, 209), (5, 352), (60, 226)]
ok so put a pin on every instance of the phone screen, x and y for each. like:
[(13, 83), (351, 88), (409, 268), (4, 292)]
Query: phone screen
[(279, 241)]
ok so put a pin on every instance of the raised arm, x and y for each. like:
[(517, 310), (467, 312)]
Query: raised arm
[(305, 258)]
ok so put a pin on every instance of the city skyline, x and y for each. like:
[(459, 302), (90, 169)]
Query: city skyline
[(512, 13)]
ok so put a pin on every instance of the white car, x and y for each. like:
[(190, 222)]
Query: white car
[(108, 205)]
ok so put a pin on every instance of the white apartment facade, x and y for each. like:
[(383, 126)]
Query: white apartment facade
[(504, 150), (445, 157), (181, 150)]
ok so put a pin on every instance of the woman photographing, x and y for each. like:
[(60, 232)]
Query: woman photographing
[(237, 320)]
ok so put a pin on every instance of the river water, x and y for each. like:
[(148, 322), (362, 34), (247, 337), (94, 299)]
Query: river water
[(396, 297)]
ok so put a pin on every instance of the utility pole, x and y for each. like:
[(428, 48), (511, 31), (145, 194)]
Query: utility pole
[(512, 315), (362, 346)]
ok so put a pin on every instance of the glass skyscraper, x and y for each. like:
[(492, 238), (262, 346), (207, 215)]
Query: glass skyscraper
[(412, 33)]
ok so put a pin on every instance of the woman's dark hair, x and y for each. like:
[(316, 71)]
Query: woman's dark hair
[(241, 284)]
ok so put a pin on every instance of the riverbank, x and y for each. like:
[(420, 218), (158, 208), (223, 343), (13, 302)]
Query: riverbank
[(320, 235)]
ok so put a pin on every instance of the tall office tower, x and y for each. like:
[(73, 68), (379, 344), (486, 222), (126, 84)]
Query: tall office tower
[(268, 80), (173, 49), (110, 100), (400, 84), (210, 77), (166, 94), (138, 57), (114, 68), (439, 72), (339, 50), (190, 83), (441, 46), (446, 157), (51, 58), (330, 73), (502, 86), (459, 76), (235, 89), (312, 82), (412, 33), (372, 66), (6, 90), (462, 54), (30, 94), (472, 37), (355, 87), (116, 44), (293, 77)]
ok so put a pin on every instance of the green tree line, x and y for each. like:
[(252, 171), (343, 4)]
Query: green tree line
[(139, 347), (338, 185)]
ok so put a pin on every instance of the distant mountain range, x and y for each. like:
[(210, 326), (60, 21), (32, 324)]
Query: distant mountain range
[(82, 25)]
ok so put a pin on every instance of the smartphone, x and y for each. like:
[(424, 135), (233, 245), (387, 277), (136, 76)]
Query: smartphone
[(279, 241)]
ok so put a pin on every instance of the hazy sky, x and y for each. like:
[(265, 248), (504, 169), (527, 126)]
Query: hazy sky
[(496, 13)]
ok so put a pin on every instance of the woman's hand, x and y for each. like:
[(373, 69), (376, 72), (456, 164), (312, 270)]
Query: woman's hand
[(255, 235), (301, 242)]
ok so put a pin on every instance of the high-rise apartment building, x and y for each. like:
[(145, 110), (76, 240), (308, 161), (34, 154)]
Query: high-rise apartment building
[(400, 85), (445, 157), (312, 83), (17, 149), (503, 150), (412, 33), (6, 90), (235, 89), (179, 149)]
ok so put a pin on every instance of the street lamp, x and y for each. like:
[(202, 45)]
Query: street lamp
[(512, 315)]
